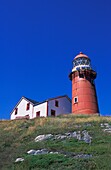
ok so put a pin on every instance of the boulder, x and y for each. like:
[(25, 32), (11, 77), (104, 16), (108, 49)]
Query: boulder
[(32, 152), (43, 137), (19, 160), (86, 137), (74, 134)]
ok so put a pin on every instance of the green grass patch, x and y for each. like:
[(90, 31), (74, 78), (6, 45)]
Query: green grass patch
[(17, 137)]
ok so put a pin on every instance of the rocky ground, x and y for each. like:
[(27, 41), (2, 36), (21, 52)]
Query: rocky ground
[(69, 142)]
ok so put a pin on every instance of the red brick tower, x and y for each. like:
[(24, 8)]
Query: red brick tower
[(84, 99)]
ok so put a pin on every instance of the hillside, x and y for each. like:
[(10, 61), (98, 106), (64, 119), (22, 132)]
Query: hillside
[(69, 142)]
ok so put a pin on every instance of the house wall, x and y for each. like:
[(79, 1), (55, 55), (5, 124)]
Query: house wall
[(42, 108), (22, 112), (64, 106)]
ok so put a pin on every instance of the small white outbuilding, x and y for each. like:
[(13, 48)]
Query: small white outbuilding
[(29, 109)]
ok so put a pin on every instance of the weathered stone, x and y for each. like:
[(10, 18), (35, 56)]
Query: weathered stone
[(38, 152), (68, 134), (79, 136), (51, 152), (106, 124), (19, 160), (59, 136), (45, 151), (107, 130), (87, 138), (74, 134), (31, 152), (43, 137), (54, 152), (84, 132), (85, 156), (102, 125)]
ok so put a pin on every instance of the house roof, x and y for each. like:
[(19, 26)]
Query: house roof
[(32, 101), (28, 100), (35, 103), (53, 99), (59, 97), (81, 55)]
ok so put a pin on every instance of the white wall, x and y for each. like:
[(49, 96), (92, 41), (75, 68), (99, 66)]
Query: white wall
[(22, 110), (64, 106), (42, 108)]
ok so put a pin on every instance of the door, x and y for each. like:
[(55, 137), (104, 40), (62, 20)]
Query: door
[(38, 114), (53, 113)]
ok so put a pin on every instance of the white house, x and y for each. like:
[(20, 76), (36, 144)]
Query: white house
[(27, 108)]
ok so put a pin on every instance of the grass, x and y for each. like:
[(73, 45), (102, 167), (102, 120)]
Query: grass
[(17, 137)]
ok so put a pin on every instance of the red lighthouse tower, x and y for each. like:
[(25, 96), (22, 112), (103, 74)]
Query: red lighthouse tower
[(84, 98)]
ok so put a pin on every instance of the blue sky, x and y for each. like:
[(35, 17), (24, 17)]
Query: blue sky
[(38, 41)]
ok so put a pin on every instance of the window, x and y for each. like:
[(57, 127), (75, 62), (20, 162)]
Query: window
[(53, 113), (38, 114), (16, 111), (28, 106), (81, 61), (75, 99), (57, 103)]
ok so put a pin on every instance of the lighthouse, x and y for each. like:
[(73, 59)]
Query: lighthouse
[(84, 98)]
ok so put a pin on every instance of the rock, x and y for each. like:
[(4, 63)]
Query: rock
[(63, 136), (79, 136), (51, 152), (19, 160), (87, 138), (59, 136), (68, 134), (85, 156), (106, 124), (37, 152), (107, 130), (54, 152), (31, 152), (74, 134), (84, 132), (43, 137), (102, 125), (44, 150)]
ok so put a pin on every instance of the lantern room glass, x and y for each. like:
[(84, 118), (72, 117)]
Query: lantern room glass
[(81, 61)]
